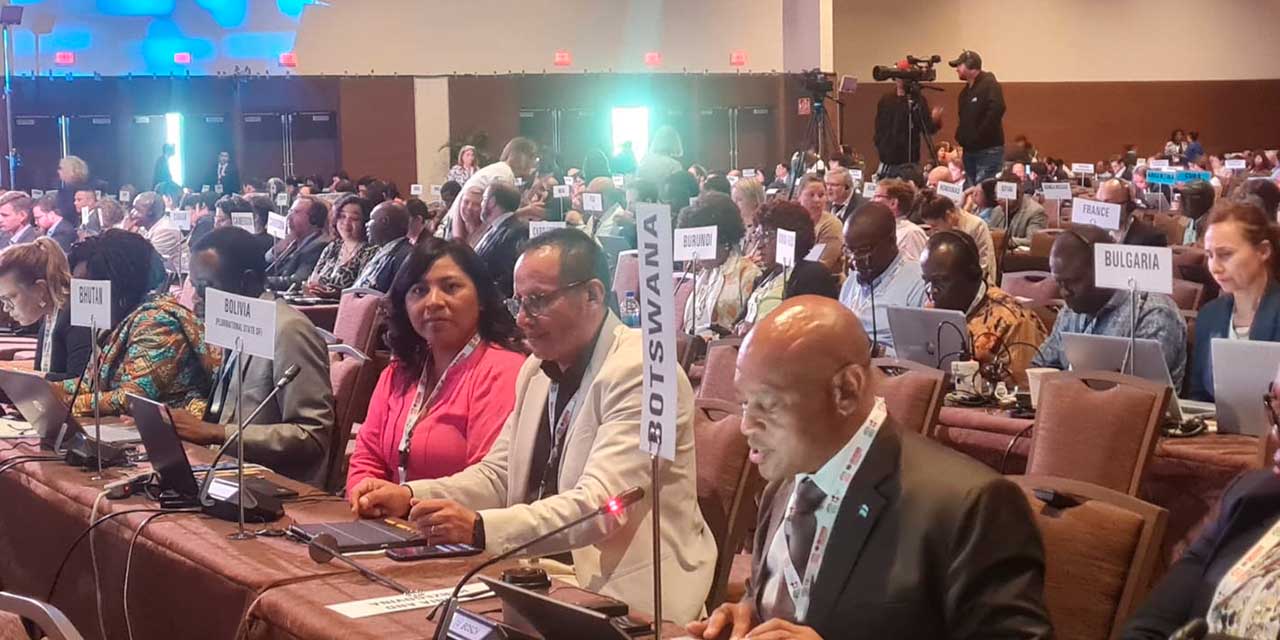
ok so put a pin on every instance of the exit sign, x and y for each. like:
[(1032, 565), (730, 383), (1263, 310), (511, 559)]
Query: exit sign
[(738, 58), (563, 58), (64, 58), (653, 59), (182, 57)]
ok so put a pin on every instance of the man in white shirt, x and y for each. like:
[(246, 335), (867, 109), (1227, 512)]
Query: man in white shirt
[(880, 276), (153, 223), (942, 214), (519, 159), (899, 195), (841, 195)]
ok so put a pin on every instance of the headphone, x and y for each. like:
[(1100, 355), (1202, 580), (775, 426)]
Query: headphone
[(973, 263)]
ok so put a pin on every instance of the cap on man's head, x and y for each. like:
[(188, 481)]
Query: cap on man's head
[(967, 58)]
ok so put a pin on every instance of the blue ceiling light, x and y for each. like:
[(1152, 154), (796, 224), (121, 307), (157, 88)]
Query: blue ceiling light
[(227, 13), (136, 7)]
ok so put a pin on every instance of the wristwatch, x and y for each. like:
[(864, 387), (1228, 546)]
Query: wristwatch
[(477, 533)]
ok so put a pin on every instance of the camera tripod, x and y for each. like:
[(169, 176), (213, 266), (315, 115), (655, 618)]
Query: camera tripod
[(916, 120), (819, 135)]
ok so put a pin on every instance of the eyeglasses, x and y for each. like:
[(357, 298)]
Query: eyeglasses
[(537, 304)]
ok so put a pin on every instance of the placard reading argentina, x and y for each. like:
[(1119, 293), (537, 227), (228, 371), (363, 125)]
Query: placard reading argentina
[(1120, 266), (657, 324), (233, 321)]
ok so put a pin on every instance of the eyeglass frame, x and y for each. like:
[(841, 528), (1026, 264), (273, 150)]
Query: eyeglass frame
[(542, 301)]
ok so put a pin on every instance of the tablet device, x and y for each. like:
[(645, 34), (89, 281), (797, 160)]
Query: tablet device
[(364, 535)]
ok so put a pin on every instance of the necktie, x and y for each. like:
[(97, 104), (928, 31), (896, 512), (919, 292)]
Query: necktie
[(803, 524)]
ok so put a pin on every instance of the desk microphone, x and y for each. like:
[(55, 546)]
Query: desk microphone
[(324, 547), (251, 500), (614, 505), (1194, 630)]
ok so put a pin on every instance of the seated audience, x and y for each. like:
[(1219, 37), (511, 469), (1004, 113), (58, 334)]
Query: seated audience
[(111, 213), (841, 195), (1106, 312), (749, 196), (776, 282), (387, 228), (453, 375), (73, 173), (155, 347), (1001, 329), (53, 225), (35, 287), (1265, 194), (826, 227), (723, 285), (988, 207), (1133, 230), (717, 183), (1025, 216), (150, 220), (199, 210), (1228, 575), (519, 159), (293, 265), (899, 195), (468, 225), (466, 166), (943, 215), (505, 234), (17, 219), (1197, 200), (291, 435), (262, 207), (419, 219), (866, 530), (1241, 244), (344, 258), (879, 275), (529, 484)]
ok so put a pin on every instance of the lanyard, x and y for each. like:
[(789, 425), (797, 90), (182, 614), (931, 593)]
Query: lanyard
[(421, 401), (46, 349), (558, 429), (859, 448)]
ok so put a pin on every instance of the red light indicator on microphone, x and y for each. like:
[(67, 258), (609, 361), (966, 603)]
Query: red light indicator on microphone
[(614, 506)]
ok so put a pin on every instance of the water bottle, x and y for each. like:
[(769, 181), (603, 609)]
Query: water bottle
[(631, 310)]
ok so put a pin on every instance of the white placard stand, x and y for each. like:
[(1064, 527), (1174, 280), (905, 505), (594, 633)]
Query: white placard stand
[(240, 532), (1132, 353), (97, 396)]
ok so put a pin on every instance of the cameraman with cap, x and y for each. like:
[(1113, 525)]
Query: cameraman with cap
[(981, 111), (897, 136)]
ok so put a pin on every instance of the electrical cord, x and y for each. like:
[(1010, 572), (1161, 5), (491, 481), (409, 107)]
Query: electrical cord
[(93, 560), (966, 349), (1004, 459), (66, 557), (128, 564), (18, 460)]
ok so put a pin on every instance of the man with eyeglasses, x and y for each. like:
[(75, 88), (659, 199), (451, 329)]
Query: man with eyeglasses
[(898, 195), (880, 276), (572, 441)]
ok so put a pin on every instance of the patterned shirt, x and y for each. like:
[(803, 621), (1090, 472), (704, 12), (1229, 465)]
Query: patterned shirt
[(1158, 319), (999, 322), (157, 352), (722, 293), (330, 272)]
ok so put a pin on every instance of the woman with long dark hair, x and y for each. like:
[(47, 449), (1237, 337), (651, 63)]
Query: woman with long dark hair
[(456, 353)]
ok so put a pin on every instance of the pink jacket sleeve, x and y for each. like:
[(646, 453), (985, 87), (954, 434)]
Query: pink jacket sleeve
[(495, 395), (368, 459)]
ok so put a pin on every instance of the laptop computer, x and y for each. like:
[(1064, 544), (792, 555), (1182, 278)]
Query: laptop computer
[(1241, 371), (932, 337), (1108, 353), (163, 447), (34, 399)]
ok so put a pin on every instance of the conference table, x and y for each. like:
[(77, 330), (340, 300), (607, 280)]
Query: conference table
[(185, 578), (1186, 475)]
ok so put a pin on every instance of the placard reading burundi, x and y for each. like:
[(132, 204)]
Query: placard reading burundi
[(952, 190), (657, 324), (233, 321), (696, 243), (785, 251), (1056, 191), (91, 303), (1124, 266), (1099, 214)]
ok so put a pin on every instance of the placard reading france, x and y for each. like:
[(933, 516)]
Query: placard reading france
[(1121, 266), (696, 243), (90, 303), (233, 321), (657, 325), (1099, 214)]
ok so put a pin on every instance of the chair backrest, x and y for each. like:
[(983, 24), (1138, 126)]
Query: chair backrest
[(998, 237), (1187, 259), (360, 320), (1099, 554), (717, 373), (1173, 226), (353, 382), (1039, 286), (626, 275), (728, 485), (47, 617), (912, 393), (684, 289), (1042, 241), (1187, 294), (1108, 445)]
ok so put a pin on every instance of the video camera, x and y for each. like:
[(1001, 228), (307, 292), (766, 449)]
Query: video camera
[(817, 83), (912, 69)]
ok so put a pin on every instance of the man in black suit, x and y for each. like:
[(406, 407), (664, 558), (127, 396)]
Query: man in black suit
[(1132, 230), (52, 224), (388, 228), (226, 174), (307, 220), (501, 245), (867, 530)]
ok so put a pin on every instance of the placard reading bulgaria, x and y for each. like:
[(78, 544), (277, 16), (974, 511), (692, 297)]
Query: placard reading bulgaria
[(1122, 266)]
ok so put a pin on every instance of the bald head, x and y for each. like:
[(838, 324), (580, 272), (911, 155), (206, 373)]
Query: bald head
[(871, 236), (1113, 191), (938, 174), (804, 373)]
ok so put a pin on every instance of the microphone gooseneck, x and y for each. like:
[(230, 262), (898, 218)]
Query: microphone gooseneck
[(324, 548)]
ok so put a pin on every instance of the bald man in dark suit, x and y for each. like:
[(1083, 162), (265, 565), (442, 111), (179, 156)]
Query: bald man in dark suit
[(865, 530)]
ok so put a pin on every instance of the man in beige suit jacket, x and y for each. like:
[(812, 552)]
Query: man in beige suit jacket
[(292, 435), (519, 491)]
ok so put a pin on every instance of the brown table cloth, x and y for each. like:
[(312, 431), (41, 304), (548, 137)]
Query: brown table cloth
[(1186, 476), (186, 578)]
